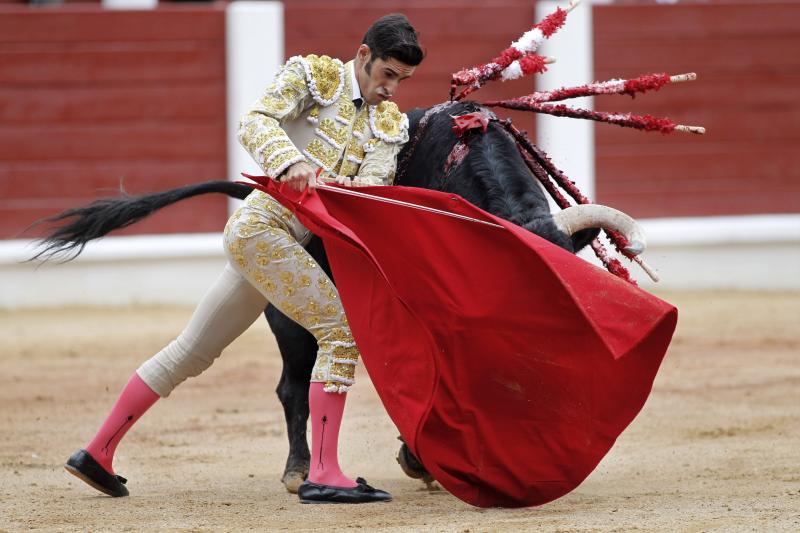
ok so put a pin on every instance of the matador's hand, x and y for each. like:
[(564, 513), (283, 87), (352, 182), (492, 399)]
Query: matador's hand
[(299, 175)]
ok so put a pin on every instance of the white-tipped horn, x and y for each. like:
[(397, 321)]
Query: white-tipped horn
[(578, 217)]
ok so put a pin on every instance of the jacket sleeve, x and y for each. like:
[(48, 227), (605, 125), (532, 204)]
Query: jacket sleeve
[(260, 131), (390, 128), (380, 163)]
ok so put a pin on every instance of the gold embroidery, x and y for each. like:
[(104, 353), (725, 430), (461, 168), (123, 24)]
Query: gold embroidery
[(272, 105), (247, 232), (278, 254), (346, 352), (252, 143), (251, 128), (262, 259), (237, 246), (257, 199), (289, 291), (291, 310), (297, 315), (305, 295), (277, 164), (337, 134), (275, 223), (388, 119), (346, 111), (274, 147), (326, 74), (370, 145), (343, 370), (269, 284), (360, 125), (313, 115), (354, 151), (348, 169), (327, 157), (322, 360), (388, 123), (289, 92), (296, 82), (341, 335)]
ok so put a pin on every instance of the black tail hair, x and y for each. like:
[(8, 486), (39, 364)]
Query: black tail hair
[(99, 218)]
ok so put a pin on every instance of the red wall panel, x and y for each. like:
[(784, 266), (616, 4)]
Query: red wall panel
[(455, 34), (91, 98), (747, 57)]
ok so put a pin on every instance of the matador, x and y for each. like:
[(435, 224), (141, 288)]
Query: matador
[(321, 120)]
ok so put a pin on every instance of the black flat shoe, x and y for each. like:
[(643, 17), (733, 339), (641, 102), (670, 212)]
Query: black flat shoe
[(83, 466), (362, 493)]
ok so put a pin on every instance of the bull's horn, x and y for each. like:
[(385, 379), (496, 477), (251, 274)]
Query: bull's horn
[(584, 216)]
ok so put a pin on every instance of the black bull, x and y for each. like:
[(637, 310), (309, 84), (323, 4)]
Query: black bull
[(484, 168)]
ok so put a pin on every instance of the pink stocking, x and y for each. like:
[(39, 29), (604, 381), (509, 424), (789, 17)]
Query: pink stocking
[(136, 398), (326, 418)]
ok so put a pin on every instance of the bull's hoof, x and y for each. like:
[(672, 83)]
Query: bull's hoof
[(411, 465), (293, 480)]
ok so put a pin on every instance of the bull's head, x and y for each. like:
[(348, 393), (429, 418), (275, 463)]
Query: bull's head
[(520, 59)]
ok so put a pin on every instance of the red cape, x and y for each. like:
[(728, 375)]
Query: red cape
[(509, 365)]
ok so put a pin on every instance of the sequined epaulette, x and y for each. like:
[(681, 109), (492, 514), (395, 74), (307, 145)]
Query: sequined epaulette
[(325, 77), (388, 123)]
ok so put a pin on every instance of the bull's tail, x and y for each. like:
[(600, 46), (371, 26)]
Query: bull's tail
[(77, 226)]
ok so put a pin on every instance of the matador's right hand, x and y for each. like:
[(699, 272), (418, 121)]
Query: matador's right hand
[(300, 175)]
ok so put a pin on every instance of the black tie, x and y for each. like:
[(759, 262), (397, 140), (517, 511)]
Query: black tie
[(358, 102)]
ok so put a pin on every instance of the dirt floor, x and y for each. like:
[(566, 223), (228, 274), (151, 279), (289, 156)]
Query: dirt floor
[(716, 448)]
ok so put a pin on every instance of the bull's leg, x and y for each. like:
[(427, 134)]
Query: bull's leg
[(298, 351)]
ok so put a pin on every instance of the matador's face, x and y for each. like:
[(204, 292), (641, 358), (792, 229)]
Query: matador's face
[(377, 78)]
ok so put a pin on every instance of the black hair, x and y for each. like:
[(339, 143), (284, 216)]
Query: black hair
[(393, 36)]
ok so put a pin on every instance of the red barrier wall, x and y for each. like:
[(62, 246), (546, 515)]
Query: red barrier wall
[(455, 34), (747, 57), (90, 98)]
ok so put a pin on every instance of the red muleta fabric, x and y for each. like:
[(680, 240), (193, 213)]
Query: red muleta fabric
[(509, 365)]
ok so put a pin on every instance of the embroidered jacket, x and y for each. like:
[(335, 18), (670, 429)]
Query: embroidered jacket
[(307, 113)]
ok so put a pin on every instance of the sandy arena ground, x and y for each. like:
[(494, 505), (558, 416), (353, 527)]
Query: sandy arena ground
[(716, 448)]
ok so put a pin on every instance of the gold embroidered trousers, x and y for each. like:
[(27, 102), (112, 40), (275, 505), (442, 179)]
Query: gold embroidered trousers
[(267, 263)]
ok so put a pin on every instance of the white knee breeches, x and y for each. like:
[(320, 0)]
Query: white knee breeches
[(266, 263)]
